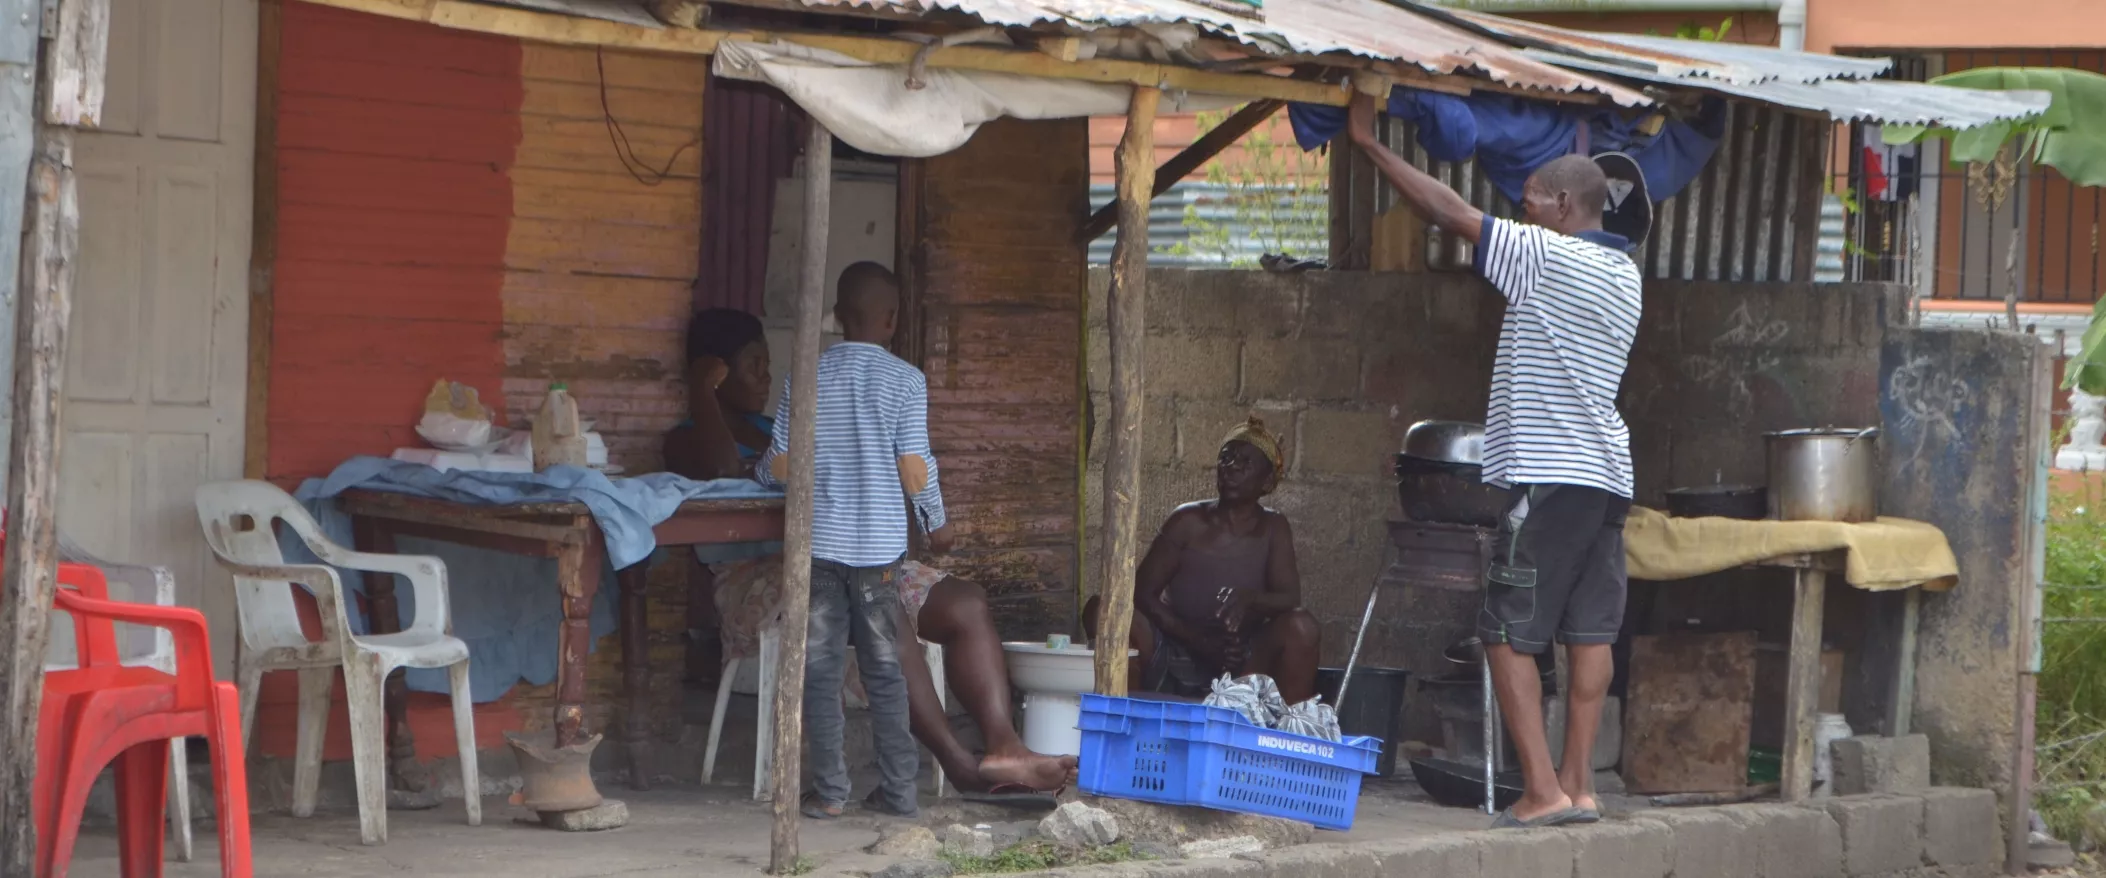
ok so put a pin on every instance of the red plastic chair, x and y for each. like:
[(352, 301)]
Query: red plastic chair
[(105, 712)]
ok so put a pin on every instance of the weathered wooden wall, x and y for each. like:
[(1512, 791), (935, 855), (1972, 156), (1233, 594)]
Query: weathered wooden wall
[(1002, 288), (600, 259), (394, 140)]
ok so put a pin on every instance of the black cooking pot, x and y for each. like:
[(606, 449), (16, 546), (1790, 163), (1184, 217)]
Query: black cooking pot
[(1719, 501), (1447, 493)]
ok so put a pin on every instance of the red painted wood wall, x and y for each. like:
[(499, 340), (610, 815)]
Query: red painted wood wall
[(394, 142)]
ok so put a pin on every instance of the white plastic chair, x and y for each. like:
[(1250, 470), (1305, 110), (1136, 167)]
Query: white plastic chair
[(764, 730), (137, 646), (238, 519)]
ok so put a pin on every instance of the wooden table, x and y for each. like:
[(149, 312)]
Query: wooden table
[(567, 533), (1802, 691)]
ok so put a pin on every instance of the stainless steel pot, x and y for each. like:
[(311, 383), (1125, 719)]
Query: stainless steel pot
[(1824, 474), (1445, 441)]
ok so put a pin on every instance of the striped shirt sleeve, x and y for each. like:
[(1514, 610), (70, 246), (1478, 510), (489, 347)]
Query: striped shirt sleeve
[(912, 437), (778, 442), (1510, 255)]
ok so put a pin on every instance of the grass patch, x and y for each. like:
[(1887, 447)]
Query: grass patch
[(803, 866), (1033, 856), (2070, 736)]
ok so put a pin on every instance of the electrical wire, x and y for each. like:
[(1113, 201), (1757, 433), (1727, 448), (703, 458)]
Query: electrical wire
[(635, 165)]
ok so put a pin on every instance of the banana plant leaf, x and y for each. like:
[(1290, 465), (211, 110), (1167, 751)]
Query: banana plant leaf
[(2087, 370), (2070, 136)]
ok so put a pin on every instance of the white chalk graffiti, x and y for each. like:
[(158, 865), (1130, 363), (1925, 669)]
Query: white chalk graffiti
[(1736, 355), (1924, 400)]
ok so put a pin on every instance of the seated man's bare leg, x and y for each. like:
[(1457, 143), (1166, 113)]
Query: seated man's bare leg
[(926, 718), (957, 616), (1287, 649), (1140, 638)]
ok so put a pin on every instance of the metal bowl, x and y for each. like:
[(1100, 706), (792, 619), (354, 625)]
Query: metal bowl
[(1445, 441)]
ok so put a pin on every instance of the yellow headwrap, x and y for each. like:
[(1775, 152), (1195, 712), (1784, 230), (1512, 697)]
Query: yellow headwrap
[(1253, 431)]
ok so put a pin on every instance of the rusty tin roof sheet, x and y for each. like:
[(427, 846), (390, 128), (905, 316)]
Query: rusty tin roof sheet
[(1850, 100)]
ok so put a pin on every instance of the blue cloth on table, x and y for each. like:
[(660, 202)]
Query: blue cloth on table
[(507, 607), (1513, 136)]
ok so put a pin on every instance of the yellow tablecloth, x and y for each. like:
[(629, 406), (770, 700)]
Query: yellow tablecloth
[(1881, 555)]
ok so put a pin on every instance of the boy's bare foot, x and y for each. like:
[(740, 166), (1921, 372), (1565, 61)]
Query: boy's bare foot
[(1029, 770)]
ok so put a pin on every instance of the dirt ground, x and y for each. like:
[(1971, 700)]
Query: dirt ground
[(696, 830)]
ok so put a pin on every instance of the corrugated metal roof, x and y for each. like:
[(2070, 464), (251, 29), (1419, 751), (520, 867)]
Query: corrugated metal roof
[(1849, 100), (1737, 63), (1364, 28)]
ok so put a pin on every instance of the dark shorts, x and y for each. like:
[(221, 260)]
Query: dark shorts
[(1557, 569)]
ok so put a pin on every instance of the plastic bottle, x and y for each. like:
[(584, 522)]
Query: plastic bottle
[(1828, 729), (557, 437)]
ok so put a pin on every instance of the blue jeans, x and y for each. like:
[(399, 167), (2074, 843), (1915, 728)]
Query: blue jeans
[(860, 604)]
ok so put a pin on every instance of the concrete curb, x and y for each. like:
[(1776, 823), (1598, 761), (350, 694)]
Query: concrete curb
[(1937, 833)]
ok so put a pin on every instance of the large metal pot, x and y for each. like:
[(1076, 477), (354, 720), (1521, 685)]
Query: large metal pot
[(1445, 441), (1824, 474)]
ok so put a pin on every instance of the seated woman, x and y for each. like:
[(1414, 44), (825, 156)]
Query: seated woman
[(728, 385), (1218, 592)]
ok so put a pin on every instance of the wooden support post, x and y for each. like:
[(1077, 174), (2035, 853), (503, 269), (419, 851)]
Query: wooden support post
[(1126, 312), (797, 508), (1184, 163), (1802, 689), (68, 93), (29, 571), (1903, 709)]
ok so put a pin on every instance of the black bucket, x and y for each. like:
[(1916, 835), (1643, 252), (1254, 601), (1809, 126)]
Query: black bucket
[(1373, 706)]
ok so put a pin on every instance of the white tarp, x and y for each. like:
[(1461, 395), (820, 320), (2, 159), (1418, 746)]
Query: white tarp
[(871, 107)]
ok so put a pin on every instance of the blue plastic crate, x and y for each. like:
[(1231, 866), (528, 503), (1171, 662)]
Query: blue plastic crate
[(1191, 754)]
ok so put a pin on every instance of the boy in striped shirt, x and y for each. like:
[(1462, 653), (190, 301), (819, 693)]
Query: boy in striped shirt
[(872, 440), (1554, 438)]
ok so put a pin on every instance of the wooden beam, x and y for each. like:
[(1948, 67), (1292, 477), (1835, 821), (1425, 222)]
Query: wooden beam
[(263, 243), (1184, 163), (549, 27), (797, 525), (1126, 313), (566, 30)]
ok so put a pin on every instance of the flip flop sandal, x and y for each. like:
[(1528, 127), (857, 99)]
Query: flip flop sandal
[(1584, 816), (811, 806), (876, 802), (1014, 794), (1507, 820)]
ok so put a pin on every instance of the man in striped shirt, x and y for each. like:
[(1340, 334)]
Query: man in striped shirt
[(1554, 437), (872, 442)]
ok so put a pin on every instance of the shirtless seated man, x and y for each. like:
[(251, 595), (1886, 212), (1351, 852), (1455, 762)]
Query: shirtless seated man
[(1218, 591)]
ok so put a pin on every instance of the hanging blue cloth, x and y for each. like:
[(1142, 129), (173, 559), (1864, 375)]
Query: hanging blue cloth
[(1513, 136)]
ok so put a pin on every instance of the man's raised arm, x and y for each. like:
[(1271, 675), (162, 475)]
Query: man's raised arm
[(1432, 199)]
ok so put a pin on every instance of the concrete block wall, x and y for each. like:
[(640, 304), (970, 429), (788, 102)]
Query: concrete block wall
[(1338, 364), (1341, 363)]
